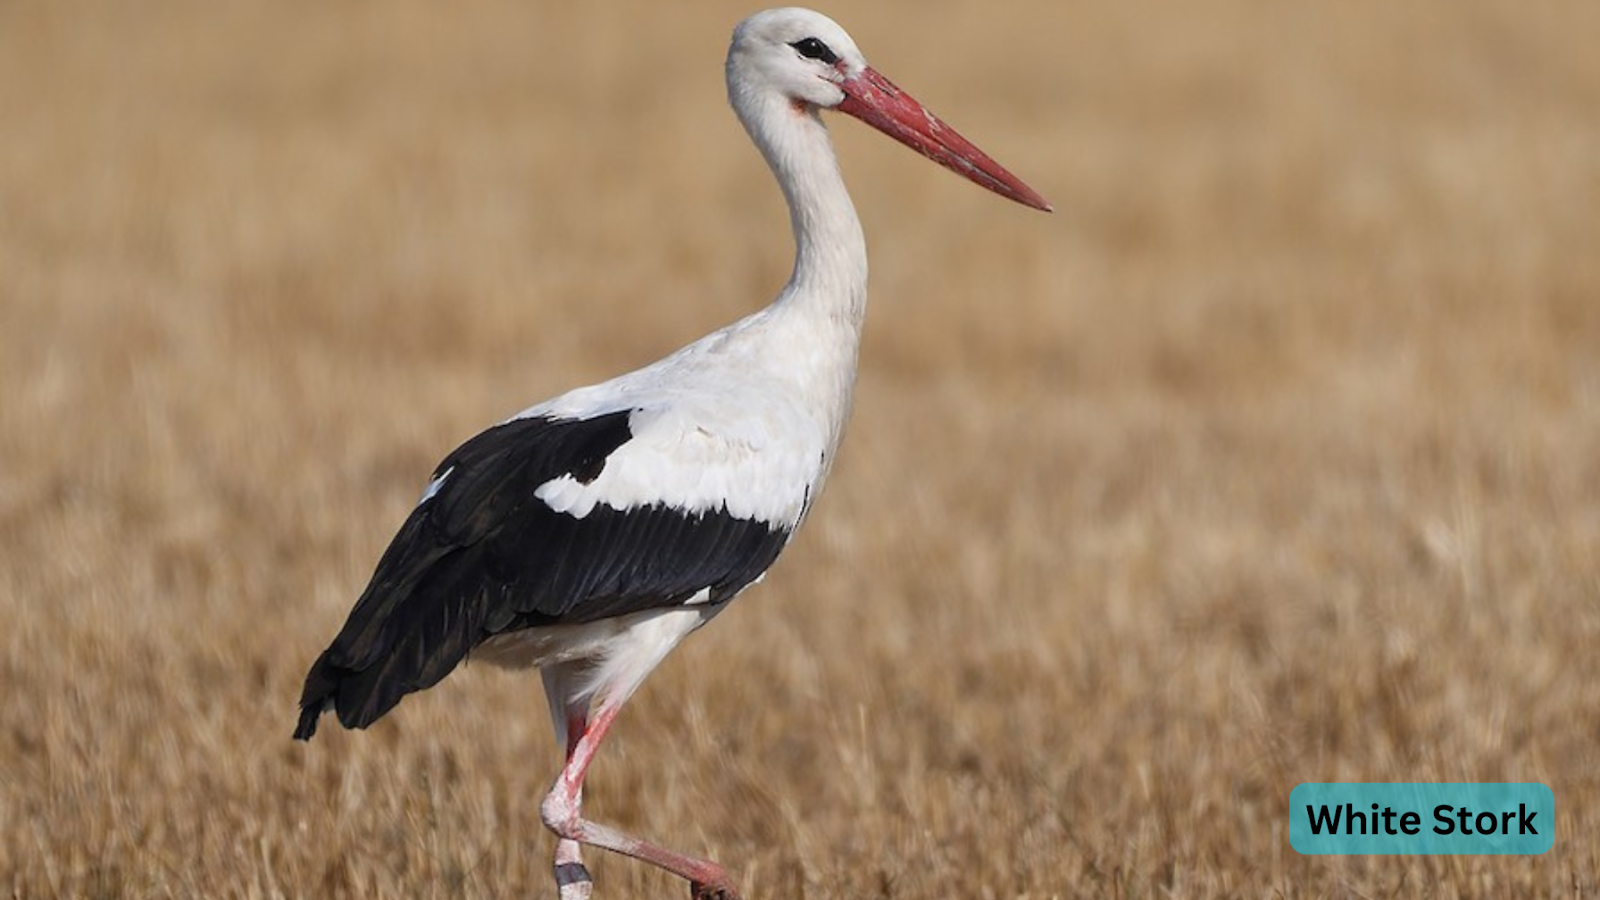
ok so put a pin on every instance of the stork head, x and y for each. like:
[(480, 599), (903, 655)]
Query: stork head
[(803, 55), (805, 58)]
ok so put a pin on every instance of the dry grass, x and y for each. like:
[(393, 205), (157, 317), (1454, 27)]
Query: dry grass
[(1273, 457)]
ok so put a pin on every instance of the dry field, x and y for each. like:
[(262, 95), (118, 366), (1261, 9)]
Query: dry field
[(1273, 456)]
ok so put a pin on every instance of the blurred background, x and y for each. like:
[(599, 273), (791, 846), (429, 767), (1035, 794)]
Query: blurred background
[(1272, 456)]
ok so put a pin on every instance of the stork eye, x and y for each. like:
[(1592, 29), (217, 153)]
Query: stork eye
[(811, 48)]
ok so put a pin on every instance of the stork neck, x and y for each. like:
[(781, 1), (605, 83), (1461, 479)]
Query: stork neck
[(830, 269)]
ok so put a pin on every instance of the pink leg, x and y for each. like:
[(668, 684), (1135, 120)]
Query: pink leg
[(561, 812), (572, 879)]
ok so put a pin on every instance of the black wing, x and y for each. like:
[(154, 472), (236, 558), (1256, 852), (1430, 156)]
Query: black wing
[(483, 556)]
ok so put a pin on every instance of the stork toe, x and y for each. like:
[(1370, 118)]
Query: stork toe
[(713, 891)]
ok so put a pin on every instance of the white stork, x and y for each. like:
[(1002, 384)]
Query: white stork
[(589, 534)]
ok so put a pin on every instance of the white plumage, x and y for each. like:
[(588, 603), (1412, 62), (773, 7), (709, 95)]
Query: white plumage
[(747, 449), (589, 534)]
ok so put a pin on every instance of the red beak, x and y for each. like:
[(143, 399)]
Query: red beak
[(875, 100)]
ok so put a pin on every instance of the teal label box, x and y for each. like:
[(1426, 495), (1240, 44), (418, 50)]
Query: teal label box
[(1422, 818)]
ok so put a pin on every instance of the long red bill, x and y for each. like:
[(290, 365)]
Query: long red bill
[(875, 100)]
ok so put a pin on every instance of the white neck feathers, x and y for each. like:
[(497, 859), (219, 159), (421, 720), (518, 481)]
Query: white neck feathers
[(830, 269)]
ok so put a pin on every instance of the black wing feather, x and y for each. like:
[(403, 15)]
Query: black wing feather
[(485, 556)]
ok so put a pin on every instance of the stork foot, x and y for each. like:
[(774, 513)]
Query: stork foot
[(713, 891), (573, 882)]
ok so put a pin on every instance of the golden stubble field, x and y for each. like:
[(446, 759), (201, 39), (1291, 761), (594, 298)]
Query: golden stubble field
[(1273, 456)]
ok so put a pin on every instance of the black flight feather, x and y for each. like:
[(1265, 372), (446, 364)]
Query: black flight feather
[(483, 556)]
